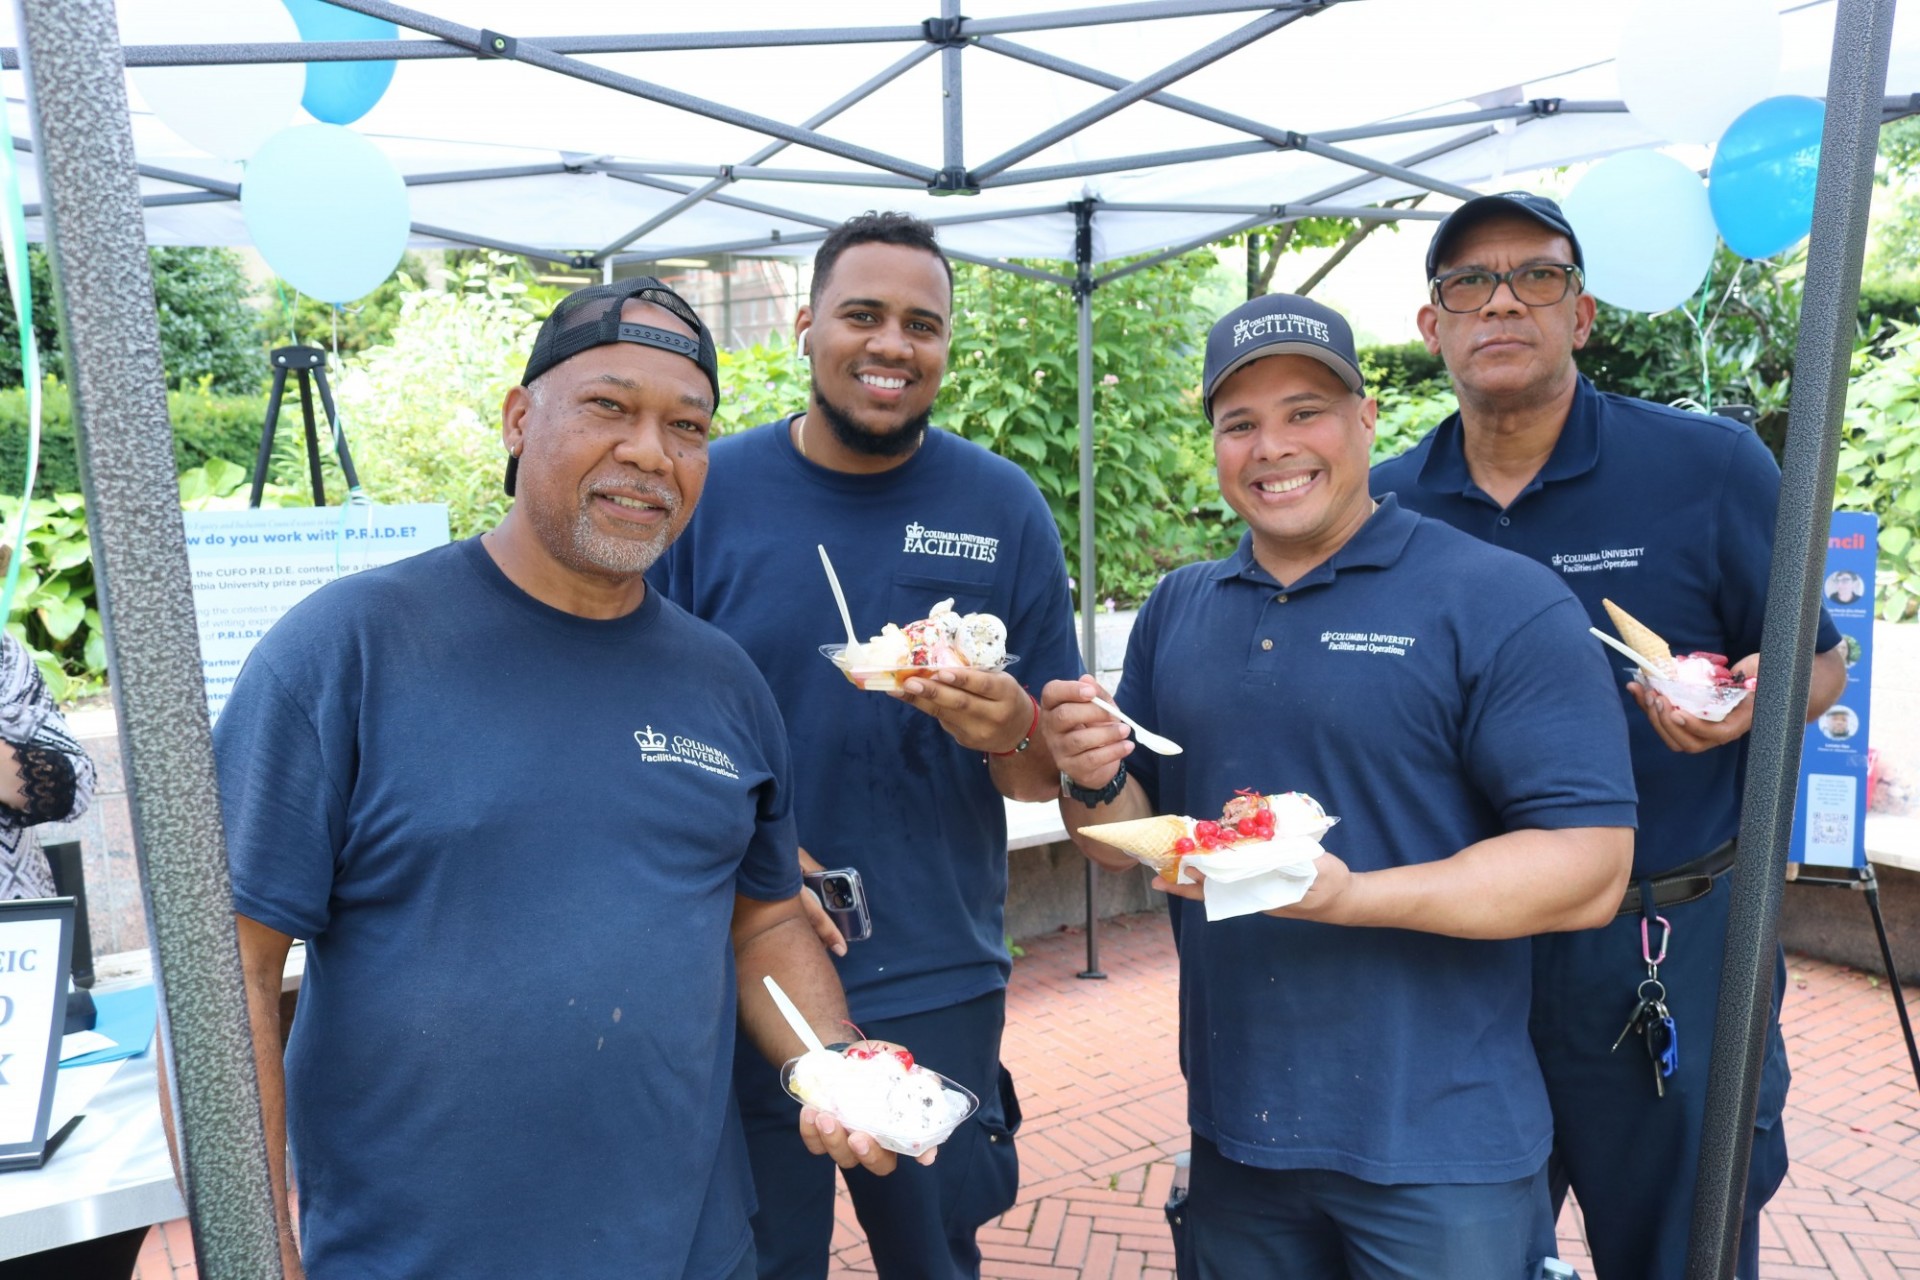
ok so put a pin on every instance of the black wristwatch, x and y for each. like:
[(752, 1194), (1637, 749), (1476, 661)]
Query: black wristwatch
[(1092, 799)]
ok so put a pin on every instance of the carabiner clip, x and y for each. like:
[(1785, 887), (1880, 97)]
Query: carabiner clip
[(1646, 942)]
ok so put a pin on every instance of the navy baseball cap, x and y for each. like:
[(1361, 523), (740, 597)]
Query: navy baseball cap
[(1523, 203), (1279, 324), (589, 318)]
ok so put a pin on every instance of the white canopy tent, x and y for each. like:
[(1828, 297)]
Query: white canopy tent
[(1083, 135)]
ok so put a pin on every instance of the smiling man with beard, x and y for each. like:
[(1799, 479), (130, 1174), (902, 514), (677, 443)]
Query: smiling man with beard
[(905, 789), (518, 805)]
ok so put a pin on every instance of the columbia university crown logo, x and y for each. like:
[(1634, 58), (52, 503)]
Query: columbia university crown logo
[(649, 740)]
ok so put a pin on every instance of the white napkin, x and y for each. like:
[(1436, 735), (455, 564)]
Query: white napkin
[(1244, 878)]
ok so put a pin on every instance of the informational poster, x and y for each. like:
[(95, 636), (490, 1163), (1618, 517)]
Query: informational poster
[(1829, 816), (250, 567), (36, 938)]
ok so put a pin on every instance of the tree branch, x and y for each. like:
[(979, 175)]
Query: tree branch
[(1352, 242)]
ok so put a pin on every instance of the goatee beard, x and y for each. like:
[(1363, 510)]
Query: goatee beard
[(874, 444)]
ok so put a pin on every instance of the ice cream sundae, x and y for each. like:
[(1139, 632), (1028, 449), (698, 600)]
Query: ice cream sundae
[(1698, 683), (1248, 820), (943, 638), (875, 1086)]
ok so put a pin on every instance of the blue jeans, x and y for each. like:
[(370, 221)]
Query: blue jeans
[(1631, 1155), (920, 1221), (1247, 1223)]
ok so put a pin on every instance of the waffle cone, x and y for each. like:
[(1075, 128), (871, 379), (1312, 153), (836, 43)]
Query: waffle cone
[(1148, 839), (1641, 638)]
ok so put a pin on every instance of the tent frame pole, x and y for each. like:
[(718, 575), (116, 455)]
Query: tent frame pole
[(1084, 284), (1861, 39), (103, 291)]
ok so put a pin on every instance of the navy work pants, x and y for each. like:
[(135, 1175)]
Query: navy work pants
[(920, 1221), (1314, 1224), (1629, 1154)]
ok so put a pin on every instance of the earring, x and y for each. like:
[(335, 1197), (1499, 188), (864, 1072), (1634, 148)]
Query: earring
[(801, 348)]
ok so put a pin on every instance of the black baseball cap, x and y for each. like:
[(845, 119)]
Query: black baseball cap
[(1524, 203), (1279, 324), (589, 318)]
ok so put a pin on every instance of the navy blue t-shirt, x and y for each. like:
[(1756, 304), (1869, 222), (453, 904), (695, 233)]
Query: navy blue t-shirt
[(1668, 514), (879, 786), (1431, 692), (512, 839)]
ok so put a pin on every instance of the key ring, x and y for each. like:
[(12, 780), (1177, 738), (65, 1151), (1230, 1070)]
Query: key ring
[(1646, 943), (1660, 990)]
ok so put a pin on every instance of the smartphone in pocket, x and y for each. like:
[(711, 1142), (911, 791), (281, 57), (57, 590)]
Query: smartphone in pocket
[(845, 899)]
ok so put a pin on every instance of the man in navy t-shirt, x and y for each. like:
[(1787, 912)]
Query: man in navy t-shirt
[(905, 789), (535, 824), (1670, 515), (1363, 1096)]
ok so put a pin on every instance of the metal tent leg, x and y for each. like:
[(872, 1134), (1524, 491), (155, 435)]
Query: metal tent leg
[(1893, 972), (1089, 647)]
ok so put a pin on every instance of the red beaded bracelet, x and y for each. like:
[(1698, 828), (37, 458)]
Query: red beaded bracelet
[(1031, 730)]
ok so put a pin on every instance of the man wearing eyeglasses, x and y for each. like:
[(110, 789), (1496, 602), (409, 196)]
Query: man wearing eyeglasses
[(1670, 515)]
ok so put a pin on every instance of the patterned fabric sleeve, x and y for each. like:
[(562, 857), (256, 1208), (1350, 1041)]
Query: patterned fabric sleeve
[(57, 773)]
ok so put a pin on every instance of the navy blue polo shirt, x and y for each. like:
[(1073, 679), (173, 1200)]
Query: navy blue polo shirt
[(1668, 514), (1431, 692), (879, 786)]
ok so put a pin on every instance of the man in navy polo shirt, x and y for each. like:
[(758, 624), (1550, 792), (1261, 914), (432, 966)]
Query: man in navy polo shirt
[(518, 805), (1670, 515), (1363, 1095), (906, 789)]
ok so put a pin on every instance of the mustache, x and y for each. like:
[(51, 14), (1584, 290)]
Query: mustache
[(645, 490)]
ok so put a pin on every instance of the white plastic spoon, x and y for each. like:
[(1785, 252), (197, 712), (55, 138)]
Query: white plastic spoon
[(792, 1015), (1646, 664), (1145, 736), (839, 596)]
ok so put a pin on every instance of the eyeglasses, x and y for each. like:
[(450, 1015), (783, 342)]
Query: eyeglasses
[(1537, 284)]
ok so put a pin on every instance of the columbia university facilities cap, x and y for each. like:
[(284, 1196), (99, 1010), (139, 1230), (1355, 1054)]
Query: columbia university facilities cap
[(1279, 324), (1522, 203), (590, 318)]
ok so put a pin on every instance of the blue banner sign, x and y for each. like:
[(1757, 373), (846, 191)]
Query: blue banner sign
[(1830, 813)]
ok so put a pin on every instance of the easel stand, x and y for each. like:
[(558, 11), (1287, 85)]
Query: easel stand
[(310, 365), (1863, 879)]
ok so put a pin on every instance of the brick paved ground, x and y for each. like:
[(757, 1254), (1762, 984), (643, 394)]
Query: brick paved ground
[(1104, 1115)]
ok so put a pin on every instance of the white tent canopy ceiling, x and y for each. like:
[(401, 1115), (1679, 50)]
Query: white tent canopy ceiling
[(1184, 120)]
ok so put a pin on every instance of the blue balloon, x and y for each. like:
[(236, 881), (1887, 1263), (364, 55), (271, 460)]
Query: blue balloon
[(327, 210), (341, 92), (1644, 228), (1764, 173)]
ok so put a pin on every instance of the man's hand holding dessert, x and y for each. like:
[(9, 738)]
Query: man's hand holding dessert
[(985, 711)]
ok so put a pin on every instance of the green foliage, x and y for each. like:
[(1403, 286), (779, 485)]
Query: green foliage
[(1012, 385), (1879, 466), (1402, 365), (206, 324), (1732, 343), (760, 383), (422, 411), (1407, 413), (205, 426), (53, 608)]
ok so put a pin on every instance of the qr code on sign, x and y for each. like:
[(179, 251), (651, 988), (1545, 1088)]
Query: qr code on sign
[(1830, 829)]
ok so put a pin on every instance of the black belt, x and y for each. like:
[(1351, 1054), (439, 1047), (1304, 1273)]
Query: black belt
[(1685, 883)]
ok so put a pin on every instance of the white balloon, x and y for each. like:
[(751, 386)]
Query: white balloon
[(1687, 67), (1646, 230), (224, 111)]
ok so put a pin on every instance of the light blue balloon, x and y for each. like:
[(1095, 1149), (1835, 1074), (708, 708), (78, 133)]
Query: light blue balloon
[(1764, 173), (341, 92), (1645, 230), (327, 210)]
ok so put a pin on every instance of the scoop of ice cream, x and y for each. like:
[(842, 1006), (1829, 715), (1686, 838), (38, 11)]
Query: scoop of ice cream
[(983, 641), (1693, 670), (885, 652), (1295, 813), (879, 1089)]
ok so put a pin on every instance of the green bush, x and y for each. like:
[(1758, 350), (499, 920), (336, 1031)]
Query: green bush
[(422, 412), (1401, 366), (1879, 467), (205, 426), (207, 325)]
